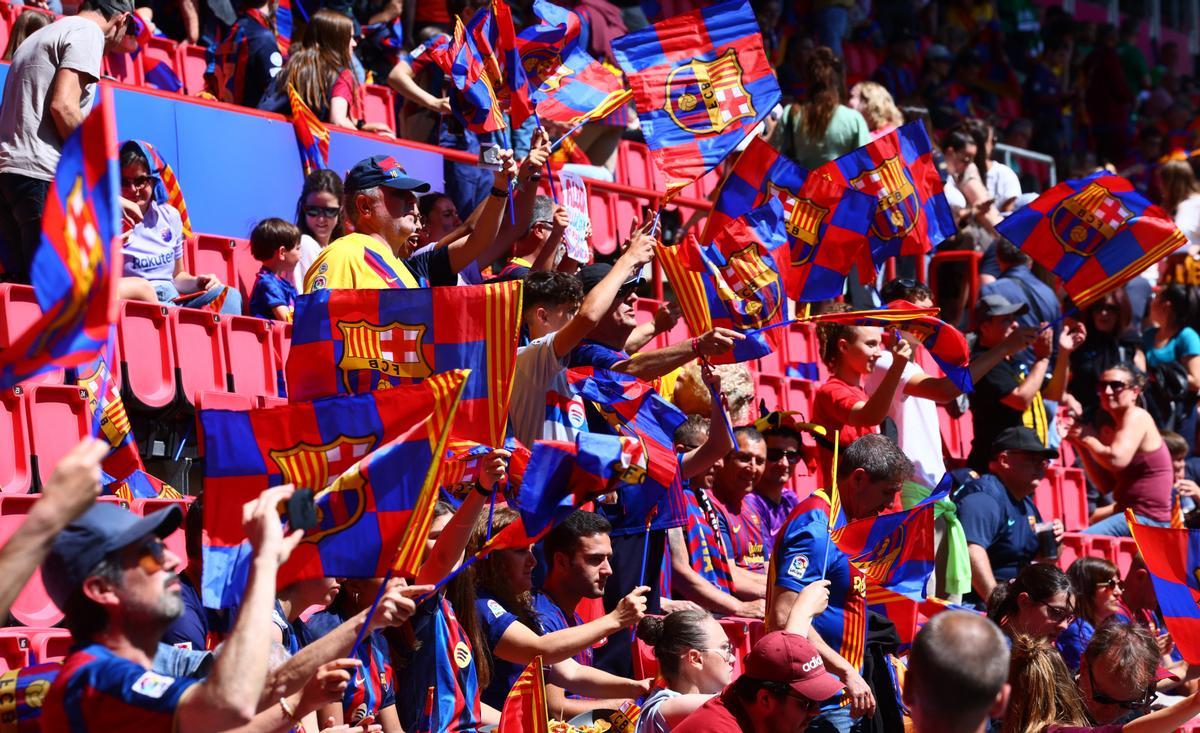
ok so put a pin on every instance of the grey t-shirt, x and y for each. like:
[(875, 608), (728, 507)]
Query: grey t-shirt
[(29, 141)]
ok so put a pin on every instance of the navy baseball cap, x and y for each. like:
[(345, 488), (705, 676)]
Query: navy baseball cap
[(591, 275), (101, 531), (382, 170)]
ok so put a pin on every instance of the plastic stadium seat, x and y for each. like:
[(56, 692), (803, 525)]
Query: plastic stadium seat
[(1073, 496), (601, 207), (32, 606), (6, 21), (775, 362), (14, 649), (212, 400), (124, 69), (16, 473), (199, 353), (251, 355), (380, 105), (800, 395), (175, 542), (246, 268), (633, 165), (265, 401), (1044, 497), (164, 50), (147, 364), (738, 631), (1074, 546), (772, 390), (282, 337), (19, 309), (49, 645), (191, 64), (58, 419), (206, 254)]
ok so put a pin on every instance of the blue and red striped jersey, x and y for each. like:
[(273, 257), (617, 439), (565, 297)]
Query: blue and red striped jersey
[(440, 656), (372, 686)]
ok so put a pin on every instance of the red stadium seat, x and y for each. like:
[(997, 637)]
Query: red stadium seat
[(802, 347), (6, 21), (633, 165), (32, 606), (19, 310), (16, 473), (772, 390), (282, 337), (49, 645), (645, 664), (164, 50), (265, 401), (147, 364), (175, 542), (1074, 546), (14, 648), (738, 631), (1045, 496), (124, 69), (210, 400), (191, 64), (1073, 495), (800, 395), (251, 355), (199, 353), (380, 105), (601, 208), (246, 268), (205, 254), (58, 419)]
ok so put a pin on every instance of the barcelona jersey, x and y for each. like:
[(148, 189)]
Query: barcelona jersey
[(743, 534), (98, 692), (804, 553), (705, 552), (438, 655), (372, 686)]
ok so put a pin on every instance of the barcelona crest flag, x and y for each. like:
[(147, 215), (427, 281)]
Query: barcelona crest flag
[(358, 453), (740, 284), (1173, 560), (311, 134), (701, 82), (549, 44), (356, 341), (76, 268), (110, 421), (912, 215), (1095, 234)]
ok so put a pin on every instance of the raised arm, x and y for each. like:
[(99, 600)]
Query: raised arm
[(875, 408), (528, 176), (719, 442), (648, 365), (692, 586), (519, 644), (464, 252), (943, 389), (448, 550), (600, 298), (594, 682)]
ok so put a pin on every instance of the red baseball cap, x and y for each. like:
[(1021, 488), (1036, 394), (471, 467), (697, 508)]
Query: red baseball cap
[(783, 657)]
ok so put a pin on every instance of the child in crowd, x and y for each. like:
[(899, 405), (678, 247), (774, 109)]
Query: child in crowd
[(276, 244)]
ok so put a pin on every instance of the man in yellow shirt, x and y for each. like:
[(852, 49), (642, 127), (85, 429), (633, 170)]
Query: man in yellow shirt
[(380, 200)]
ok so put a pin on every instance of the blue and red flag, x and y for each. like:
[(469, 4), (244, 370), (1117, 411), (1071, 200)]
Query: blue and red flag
[(110, 421), (633, 409), (166, 184), (549, 44), (743, 273), (311, 134), (1172, 557), (701, 82), (78, 264), (592, 92), (157, 74), (367, 495), (476, 105), (759, 168), (283, 25), (503, 38), (1095, 234), (228, 60), (356, 341), (139, 485), (912, 215), (23, 691), (561, 477)]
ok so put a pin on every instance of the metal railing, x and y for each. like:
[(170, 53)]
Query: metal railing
[(1008, 153)]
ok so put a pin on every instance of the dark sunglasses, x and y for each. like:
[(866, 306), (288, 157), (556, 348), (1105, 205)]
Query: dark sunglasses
[(151, 555), (1112, 583), (329, 212), (1146, 700), (1057, 614), (774, 454), (137, 181), (1116, 387)]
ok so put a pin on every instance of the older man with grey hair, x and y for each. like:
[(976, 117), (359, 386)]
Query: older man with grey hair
[(957, 674)]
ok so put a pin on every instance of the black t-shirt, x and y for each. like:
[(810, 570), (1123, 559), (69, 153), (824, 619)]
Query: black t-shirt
[(991, 416), (433, 267)]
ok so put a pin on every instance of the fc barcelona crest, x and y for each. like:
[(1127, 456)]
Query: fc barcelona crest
[(394, 349), (1085, 221), (338, 507), (707, 97), (100, 389), (898, 208), (751, 289), (311, 466), (803, 220), (887, 554), (543, 64)]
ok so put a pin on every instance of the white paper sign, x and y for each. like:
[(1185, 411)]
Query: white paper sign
[(573, 195)]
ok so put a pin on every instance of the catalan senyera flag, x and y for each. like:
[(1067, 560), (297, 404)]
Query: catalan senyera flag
[(525, 709), (22, 692), (78, 264), (356, 341), (561, 477), (311, 134), (1172, 557), (1095, 234), (358, 453), (701, 82), (742, 275), (166, 184), (110, 421), (912, 215)]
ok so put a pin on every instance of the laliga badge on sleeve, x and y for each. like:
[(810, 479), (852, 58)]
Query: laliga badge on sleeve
[(798, 566), (152, 685)]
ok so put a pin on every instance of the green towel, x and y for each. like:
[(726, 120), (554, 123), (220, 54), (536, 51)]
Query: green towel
[(958, 562)]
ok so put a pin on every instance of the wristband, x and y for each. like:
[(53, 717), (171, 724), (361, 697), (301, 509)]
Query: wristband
[(695, 344), (499, 192), (485, 493)]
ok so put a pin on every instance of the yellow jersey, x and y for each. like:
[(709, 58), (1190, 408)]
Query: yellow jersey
[(357, 261)]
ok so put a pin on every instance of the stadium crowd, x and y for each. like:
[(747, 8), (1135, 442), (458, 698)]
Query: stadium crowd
[(1112, 389)]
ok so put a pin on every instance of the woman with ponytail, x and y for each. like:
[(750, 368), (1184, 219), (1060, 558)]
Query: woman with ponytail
[(695, 660), (1039, 602), (821, 128)]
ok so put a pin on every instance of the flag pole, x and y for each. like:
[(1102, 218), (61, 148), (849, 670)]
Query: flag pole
[(512, 207), (549, 170), (362, 633), (569, 133), (837, 439)]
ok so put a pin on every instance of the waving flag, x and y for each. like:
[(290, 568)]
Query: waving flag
[(140, 485), (912, 215), (701, 82), (476, 105), (110, 422), (945, 343), (561, 477), (633, 409), (73, 269), (525, 709), (283, 25), (504, 44), (1172, 558), (1095, 234), (895, 551), (166, 185), (355, 341), (367, 496), (591, 92), (743, 288), (549, 44), (758, 168), (311, 134)]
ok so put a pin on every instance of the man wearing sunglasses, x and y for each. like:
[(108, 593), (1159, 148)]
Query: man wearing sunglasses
[(50, 88), (772, 500), (1117, 675), (117, 584)]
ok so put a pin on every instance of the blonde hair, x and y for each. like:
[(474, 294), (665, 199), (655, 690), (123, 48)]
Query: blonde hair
[(1178, 183), (1043, 692), (878, 108)]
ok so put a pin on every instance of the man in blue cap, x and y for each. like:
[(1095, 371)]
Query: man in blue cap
[(380, 201), (117, 584)]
